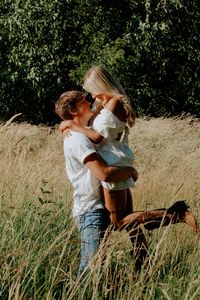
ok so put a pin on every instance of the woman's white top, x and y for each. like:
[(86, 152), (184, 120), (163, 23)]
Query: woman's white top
[(115, 153)]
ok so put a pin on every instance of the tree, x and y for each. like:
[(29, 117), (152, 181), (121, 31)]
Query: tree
[(150, 46)]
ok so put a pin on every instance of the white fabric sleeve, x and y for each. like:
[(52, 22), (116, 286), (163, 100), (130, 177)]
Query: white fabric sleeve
[(108, 125), (83, 148)]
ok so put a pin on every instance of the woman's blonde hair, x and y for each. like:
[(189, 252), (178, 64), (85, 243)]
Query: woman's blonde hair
[(98, 80)]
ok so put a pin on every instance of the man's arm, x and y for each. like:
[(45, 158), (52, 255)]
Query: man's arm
[(108, 173)]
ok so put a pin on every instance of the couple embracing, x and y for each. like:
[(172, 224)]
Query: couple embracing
[(99, 164)]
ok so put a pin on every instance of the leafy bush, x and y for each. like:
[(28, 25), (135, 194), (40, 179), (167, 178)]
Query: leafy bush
[(150, 46)]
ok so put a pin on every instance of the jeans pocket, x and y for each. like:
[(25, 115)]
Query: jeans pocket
[(80, 221)]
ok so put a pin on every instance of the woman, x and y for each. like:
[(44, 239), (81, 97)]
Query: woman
[(110, 134)]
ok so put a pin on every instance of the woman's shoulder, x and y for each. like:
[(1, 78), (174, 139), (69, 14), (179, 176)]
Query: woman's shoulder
[(107, 114), (106, 117), (115, 105)]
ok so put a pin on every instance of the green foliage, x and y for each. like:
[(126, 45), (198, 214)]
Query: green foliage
[(33, 239), (152, 47)]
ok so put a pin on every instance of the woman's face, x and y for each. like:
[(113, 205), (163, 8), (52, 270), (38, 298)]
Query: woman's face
[(99, 96)]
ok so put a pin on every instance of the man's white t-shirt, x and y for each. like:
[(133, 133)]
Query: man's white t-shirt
[(86, 186)]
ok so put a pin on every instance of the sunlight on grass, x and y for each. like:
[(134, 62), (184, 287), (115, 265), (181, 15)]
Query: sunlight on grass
[(39, 247)]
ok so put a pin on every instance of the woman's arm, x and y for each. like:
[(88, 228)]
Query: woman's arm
[(94, 136)]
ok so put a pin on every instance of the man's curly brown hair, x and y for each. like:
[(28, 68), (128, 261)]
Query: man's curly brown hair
[(66, 104)]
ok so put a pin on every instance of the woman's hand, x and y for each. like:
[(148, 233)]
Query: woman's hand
[(69, 124), (65, 127)]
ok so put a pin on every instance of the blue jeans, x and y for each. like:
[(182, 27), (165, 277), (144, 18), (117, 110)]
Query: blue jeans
[(92, 226)]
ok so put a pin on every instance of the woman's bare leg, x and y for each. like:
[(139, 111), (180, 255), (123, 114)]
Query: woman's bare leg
[(119, 204), (137, 237), (153, 219), (116, 203), (129, 202)]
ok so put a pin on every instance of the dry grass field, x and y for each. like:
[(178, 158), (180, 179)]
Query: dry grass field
[(39, 242)]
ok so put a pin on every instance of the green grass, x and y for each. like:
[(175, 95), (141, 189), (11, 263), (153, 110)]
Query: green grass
[(39, 246)]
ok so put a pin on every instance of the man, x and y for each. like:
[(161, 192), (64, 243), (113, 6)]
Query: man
[(85, 170)]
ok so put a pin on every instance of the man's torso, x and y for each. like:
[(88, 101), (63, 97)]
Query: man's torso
[(86, 186)]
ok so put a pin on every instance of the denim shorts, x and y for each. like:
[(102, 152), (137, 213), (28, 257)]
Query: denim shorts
[(92, 226)]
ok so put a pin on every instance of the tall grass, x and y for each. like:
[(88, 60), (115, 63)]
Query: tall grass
[(39, 246)]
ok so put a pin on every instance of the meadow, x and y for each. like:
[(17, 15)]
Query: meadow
[(39, 246)]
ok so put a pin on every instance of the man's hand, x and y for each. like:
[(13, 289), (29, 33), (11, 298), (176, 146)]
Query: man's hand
[(103, 172), (135, 174)]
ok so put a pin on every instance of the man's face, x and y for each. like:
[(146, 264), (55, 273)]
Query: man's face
[(83, 106)]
